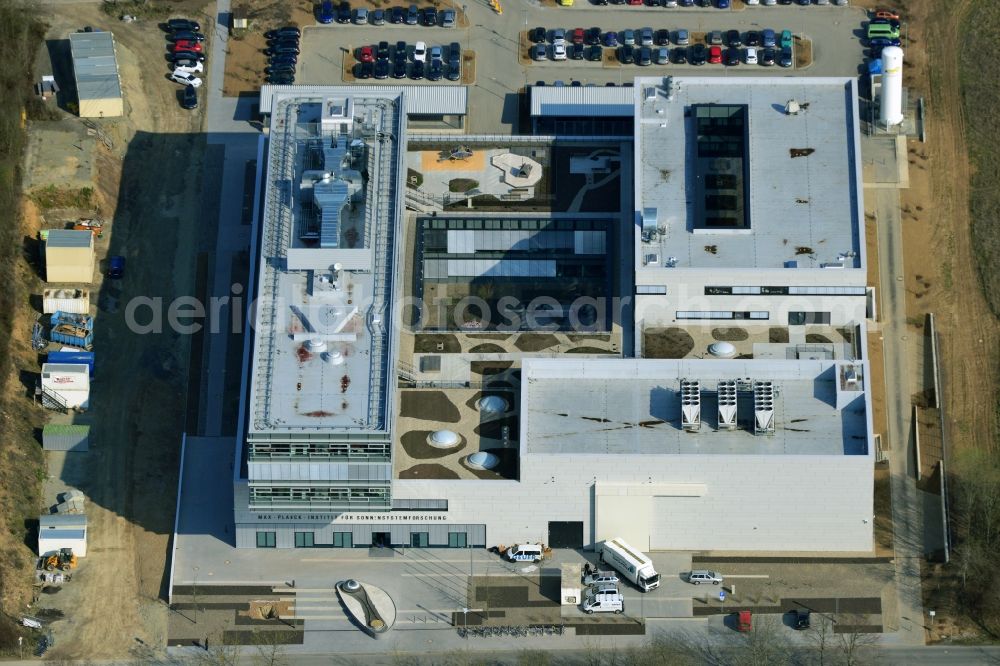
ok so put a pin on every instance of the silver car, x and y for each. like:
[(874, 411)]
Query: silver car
[(600, 579), (699, 576)]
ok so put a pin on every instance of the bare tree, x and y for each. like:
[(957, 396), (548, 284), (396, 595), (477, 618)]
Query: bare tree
[(821, 638), (270, 649), (766, 644), (857, 648)]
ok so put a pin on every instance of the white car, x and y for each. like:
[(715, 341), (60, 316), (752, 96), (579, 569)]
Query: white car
[(420, 52), (559, 51), (751, 55), (751, 2), (185, 78), (195, 68)]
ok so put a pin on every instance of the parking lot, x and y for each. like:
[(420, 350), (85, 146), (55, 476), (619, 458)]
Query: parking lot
[(500, 72)]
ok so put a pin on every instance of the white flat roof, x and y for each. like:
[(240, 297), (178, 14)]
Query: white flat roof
[(633, 406), (804, 211), (429, 100), (604, 101)]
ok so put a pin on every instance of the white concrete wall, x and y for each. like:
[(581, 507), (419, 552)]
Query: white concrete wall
[(768, 503)]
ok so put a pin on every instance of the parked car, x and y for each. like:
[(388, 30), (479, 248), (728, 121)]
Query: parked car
[(576, 51), (399, 69), (417, 70), (626, 54), (750, 55), (525, 552), (397, 15), (412, 15), (879, 14), (593, 36), (382, 51), (786, 39), (183, 24), (378, 17), (400, 51), (644, 56), (662, 55), (722, 4), (184, 78), (360, 16), (364, 70), (191, 67), (279, 69), (185, 36), (453, 72), (539, 52), (558, 35), (577, 36), (448, 18), (611, 39), (880, 43), (682, 38), (186, 55), (731, 57), (768, 57), (344, 12), (662, 37), (284, 59), (189, 97), (800, 619), (785, 58), (186, 46), (713, 38), (430, 18), (116, 264), (435, 53), (715, 55), (678, 55), (324, 12), (366, 54), (733, 38), (419, 52), (559, 51), (699, 576), (698, 54), (767, 38), (752, 38), (537, 35), (595, 53), (646, 37), (382, 69), (283, 79), (454, 52), (286, 31), (628, 37), (435, 70)]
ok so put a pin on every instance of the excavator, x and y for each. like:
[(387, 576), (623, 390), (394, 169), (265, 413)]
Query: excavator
[(64, 560)]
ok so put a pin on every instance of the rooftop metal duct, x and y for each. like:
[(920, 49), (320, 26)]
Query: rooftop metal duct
[(690, 405), (727, 404), (763, 408)]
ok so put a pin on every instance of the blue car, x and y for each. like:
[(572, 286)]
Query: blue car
[(767, 38), (882, 42), (722, 4), (324, 13), (116, 265), (611, 39)]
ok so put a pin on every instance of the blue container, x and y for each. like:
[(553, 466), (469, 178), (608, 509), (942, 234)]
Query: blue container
[(74, 357), (76, 330)]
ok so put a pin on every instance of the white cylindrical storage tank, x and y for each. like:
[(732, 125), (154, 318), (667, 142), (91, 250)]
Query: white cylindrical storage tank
[(891, 112)]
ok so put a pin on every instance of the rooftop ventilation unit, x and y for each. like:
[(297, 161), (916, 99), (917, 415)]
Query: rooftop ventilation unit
[(691, 405), (649, 219), (763, 408), (727, 404)]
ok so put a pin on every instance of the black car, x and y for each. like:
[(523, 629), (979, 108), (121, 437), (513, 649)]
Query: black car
[(382, 51), (417, 70), (626, 54), (453, 72), (185, 35), (733, 38), (698, 54), (281, 79), (800, 619), (397, 15), (785, 57), (399, 69), (679, 55), (185, 62), (283, 41), (186, 55), (364, 70), (344, 12), (753, 38), (400, 51), (287, 31), (537, 35), (768, 56), (662, 38), (286, 59), (280, 67), (644, 57), (382, 69), (282, 49), (412, 15), (576, 51), (603, 3), (430, 18), (595, 53), (189, 97), (435, 70), (182, 24), (593, 36), (705, 3), (454, 52), (731, 57)]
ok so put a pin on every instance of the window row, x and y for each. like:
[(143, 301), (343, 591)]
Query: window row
[(722, 314), (268, 539), (785, 291)]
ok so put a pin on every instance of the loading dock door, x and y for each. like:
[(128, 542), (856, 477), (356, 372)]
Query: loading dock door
[(566, 534)]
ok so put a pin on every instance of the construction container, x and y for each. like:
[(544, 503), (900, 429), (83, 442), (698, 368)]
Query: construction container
[(56, 532), (69, 256), (65, 386), (66, 437), (74, 358), (76, 330), (76, 301)]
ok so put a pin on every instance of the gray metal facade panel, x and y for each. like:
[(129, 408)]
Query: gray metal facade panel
[(69, 238), (95, 66), (62, 521), (422, 100), (605, 101)]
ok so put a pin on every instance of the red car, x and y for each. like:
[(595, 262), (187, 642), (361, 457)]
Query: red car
[(184, 45), (578, 36), (635, 2), (886, 14), (367, 54), (715, 55)]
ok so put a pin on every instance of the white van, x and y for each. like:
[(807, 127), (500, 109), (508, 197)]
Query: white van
[(525, 552), (604, 601)]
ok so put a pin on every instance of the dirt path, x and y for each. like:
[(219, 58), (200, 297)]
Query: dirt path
[(138, 403), (940, 262)]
